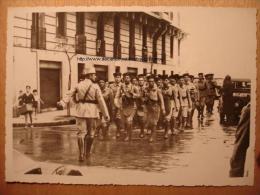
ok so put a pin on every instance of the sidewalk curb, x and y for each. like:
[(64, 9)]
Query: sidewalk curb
[(51, 123)]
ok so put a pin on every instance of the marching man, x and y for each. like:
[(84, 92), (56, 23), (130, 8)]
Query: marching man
[(185, 102), (175, 102), (89, 102), (202, 94), (116, 114), (154, 105), (141, 105), (128, 93), (167, 93)]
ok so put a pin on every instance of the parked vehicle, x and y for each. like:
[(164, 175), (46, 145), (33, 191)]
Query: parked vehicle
[(241, 95)]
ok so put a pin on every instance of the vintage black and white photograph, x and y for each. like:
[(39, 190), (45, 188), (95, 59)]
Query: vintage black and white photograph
[(131, 95)]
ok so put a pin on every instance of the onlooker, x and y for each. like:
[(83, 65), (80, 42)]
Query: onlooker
[(20, 97), (238, 158), (227, 101), (36, 102), (28, 100)]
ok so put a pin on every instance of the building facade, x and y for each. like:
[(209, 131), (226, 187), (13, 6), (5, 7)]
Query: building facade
[(51, 48)]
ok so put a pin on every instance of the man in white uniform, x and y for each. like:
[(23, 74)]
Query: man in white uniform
[(89, 102)]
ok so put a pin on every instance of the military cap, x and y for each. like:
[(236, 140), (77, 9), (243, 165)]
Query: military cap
[(134, 77), (209, 74), (171, 77), (200, 74), (165, 76), (140, 76), (126, 74), (148, 74), (176, 76), (181, 76), (117, 74), (185, 74), (151, 76), (159, 76)]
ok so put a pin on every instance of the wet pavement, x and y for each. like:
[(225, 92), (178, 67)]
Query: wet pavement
[(209, 145)]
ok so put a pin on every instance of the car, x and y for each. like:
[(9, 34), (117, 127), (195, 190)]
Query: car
[(241, 96)]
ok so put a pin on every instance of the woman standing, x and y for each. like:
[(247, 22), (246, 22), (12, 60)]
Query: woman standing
[(28, 100), (227, 98)]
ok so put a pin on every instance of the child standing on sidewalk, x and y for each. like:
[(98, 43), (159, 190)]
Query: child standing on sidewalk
[(28, 100), (36, 102)]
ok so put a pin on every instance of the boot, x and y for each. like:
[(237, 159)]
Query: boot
[(141, 135), (166, 129), (88, 144), (186, 122), (104, 132), (97, 132), (81, 149), (191, 124), (129, 132), (151, 139), (118, 126), (173, 125)]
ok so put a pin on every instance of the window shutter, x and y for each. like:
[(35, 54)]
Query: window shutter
[(33, 37), (80, 44), (42, 38)]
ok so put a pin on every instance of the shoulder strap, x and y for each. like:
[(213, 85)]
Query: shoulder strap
[(87, 91)]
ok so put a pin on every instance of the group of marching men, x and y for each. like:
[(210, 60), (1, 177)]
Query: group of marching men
[(146, 99)]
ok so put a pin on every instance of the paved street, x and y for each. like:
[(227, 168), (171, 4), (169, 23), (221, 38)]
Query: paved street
[(209, 145)]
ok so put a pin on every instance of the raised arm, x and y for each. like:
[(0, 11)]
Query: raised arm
[(67, 97), (102, 104)]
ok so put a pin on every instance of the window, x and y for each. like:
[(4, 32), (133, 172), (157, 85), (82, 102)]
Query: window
[(132, 71), (80, 71), (117, 45), (155, 71), (163, 50), (80, 39), (100, 42), (144, 71), (61, 24), (171, 45), (117, 69), (144, 44), (172, 72), (163, 72), (80, 23), (101, 72), (131, 36), (38, 32)]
